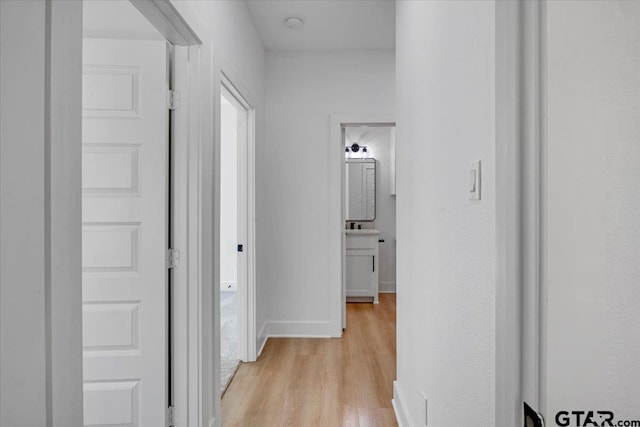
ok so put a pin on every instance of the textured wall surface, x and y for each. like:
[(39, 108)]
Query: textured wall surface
[(593, 186), (446, 243)]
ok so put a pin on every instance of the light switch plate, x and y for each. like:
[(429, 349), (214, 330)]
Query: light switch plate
[(475, 181)]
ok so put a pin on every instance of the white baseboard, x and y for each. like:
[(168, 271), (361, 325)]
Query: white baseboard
[(387, 287), (399, 407), (286, 329)]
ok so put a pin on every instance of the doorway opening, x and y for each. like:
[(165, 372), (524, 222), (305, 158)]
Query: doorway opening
[(237, 251), (368, 212)]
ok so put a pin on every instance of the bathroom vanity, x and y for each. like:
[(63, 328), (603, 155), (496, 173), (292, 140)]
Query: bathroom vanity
[(361, 265)]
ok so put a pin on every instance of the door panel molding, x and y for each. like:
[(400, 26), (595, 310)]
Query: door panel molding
[(125, 237)]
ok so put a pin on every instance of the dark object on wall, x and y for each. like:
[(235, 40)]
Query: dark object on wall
[(531, 417)]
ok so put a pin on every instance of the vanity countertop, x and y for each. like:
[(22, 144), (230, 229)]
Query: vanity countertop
[(363, 232)]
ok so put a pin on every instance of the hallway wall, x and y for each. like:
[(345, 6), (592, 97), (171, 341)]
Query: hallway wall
[(303, 89), (446, 243), (40, 210), (228, 195), (591, 211)]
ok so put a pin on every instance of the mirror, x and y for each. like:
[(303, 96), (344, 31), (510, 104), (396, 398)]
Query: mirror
[(360, 189)]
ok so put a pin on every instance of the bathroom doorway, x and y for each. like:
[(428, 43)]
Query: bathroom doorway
[(368, 212), (236, 247)]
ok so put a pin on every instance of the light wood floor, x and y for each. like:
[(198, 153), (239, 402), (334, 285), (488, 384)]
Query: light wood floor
[(305, 382)]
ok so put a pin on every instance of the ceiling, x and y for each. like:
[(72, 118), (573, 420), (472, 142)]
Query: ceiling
[(328, 24)]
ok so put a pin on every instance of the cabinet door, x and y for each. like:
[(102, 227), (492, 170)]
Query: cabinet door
[(360, 274)]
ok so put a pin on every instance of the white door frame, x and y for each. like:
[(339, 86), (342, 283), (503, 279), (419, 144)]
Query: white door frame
[(246, 217), (198, 75), (205, 85), (519, 221), (336, 209), (193, 373), (508, 238)]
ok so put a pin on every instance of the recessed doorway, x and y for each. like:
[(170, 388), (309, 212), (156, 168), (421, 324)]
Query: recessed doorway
[(236, 242), (369, 210)]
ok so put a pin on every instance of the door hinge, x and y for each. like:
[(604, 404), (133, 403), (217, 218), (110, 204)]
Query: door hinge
[(171, 416), (173, 100), (173, 258)]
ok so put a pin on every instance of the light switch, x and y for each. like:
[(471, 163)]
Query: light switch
[(474, 181)]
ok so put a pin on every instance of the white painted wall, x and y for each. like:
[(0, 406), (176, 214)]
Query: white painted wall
[(40, 283), (303, 89), (228, 194), (592, 206), (378, 143), (23, 390), (446, 243)]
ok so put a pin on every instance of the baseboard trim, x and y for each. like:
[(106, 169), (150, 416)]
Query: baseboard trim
[(290, 329), (387, 287), (286, 329), (399, 407)]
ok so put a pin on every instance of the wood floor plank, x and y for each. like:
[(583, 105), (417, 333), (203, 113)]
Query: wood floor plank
[(330, 382), (376, 417)]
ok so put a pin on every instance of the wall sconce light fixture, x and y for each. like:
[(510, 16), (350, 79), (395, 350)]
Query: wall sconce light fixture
[(355, 148)]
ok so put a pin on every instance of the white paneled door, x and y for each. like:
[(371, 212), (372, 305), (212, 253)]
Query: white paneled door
[(124, 234)]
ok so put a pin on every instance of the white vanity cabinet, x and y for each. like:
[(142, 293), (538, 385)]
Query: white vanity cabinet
[(361, 281)]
